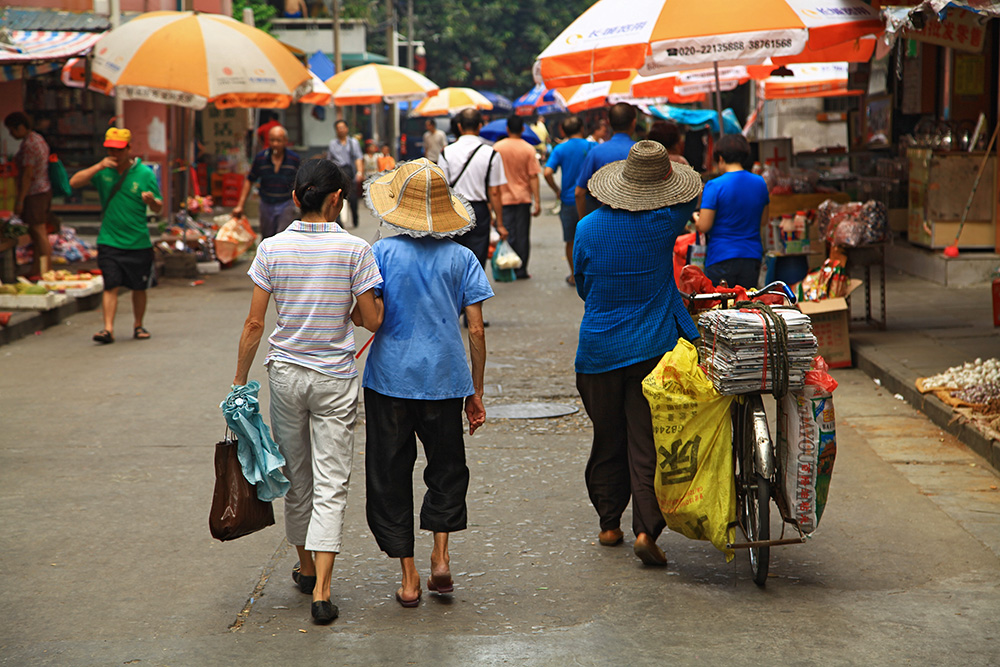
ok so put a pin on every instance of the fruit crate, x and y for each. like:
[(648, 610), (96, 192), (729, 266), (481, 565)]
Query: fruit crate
[(32, 301)]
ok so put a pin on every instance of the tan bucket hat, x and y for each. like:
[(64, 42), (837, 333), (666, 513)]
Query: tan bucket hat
[(415, 199), (646, 181)]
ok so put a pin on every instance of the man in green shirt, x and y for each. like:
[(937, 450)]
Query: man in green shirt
[(124, 252)]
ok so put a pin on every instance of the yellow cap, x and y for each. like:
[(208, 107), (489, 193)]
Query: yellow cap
[(117, 137)]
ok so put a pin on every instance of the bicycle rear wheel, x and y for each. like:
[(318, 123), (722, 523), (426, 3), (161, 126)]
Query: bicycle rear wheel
[(753, 490)]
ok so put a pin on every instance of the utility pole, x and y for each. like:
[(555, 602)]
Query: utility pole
[(409, 34), (393, 49), (116, 19), (337, 60)]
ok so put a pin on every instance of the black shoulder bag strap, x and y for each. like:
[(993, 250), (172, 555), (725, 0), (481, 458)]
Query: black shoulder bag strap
[(114, 190), (489, 168), (465, 166)]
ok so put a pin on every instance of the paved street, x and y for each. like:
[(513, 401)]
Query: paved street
[(106, 480)]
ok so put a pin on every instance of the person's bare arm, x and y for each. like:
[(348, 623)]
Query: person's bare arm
[(494, 196), (253, 331), (27, 173), (705, 220), (550, 179), (536, 195), (244, 193), (581, 201), (369, 311), (474, 409), (84, 176), (154, 203)]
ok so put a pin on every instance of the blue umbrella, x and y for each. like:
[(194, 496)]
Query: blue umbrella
[(495, 130), (537, 96), (500, 103), (259, 456)]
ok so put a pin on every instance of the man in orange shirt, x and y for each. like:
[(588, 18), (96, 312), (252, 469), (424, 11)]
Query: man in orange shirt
[(522, 169)]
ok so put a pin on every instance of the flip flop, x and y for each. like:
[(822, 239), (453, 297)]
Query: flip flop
[(409, 604), (140, 333), (103, 337), (440, 585)]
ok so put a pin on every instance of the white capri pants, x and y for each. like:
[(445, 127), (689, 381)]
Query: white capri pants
[(312, 421)]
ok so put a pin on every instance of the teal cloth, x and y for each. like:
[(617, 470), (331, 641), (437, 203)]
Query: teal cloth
[(258, 454)]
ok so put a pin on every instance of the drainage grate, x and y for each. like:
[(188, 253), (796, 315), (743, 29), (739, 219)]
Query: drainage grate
[(529, 410)]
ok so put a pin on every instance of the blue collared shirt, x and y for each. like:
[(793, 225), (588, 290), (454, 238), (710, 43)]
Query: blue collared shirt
[(275, 186), (614, 149), (632, 309), (418, 351)]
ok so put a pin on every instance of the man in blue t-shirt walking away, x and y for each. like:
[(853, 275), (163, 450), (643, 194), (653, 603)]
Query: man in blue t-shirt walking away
[(622, 119), (568, 156)]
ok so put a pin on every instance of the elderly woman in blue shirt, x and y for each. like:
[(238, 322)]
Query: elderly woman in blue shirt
[(633, 315), (417, 379)]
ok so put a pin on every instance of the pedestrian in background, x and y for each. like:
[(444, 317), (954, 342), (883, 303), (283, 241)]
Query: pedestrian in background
[(434, 140), (734, 207), (622, 119), (313, 271), (633, 315), (33, 198), (385, 160), (417, 378), (520, 166), (126, 188), (274, 168), (475, 171), (345, 152), (370, 160), (568, 157), (668, 133)]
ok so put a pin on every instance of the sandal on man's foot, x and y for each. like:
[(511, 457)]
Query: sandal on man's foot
[(140, 333), (103, 337)]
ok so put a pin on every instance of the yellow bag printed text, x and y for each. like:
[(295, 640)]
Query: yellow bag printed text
[(692, 430)]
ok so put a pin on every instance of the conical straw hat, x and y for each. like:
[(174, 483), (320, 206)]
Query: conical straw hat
[(415, 199)]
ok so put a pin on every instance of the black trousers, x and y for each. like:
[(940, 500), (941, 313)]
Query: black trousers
[(391, 428), (517, 220), (622, 460), (477, 239)]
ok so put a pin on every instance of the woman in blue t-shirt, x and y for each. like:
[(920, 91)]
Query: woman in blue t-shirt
[(734, 206)]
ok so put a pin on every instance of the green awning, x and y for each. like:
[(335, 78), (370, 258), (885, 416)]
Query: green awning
[(350, 60)]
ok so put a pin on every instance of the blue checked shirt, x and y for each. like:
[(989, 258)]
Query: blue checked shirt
[(624, 272)]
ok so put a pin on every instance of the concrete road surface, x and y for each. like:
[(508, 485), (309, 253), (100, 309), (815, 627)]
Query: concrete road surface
[(106, 480)]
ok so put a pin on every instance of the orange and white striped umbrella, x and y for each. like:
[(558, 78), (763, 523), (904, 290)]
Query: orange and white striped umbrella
[(450, 101), (319, 93), (595, 95), (654, 36), (74, 75), (808, 80), (675, 85), (374, 84), (191, 59)]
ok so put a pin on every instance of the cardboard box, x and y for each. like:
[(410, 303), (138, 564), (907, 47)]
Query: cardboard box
[(830, 321)]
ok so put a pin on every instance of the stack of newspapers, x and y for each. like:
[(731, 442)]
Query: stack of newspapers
[(734, 354)]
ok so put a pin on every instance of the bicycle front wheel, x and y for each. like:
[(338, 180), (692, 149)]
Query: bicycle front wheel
[(753, 490)]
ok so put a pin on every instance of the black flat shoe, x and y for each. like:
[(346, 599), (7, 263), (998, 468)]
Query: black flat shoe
[(324, 612), (305, 584)]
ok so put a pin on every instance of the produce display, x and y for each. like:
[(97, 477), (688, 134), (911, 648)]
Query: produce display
[(972, 390)]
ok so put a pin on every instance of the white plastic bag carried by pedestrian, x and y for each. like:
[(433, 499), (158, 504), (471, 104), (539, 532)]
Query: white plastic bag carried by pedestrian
[(506, 258), (809, 445)]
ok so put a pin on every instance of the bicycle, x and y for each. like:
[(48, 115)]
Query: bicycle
[(757, 467)]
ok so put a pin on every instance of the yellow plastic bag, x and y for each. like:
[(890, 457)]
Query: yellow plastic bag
[(693, 434)]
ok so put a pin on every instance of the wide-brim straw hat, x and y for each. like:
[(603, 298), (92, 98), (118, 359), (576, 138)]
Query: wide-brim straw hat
[(645, 181), (415, 199)]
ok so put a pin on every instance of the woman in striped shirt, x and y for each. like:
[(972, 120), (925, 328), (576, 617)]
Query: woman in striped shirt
[(314, 270)]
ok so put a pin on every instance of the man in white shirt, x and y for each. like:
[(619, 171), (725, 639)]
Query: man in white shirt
[(475, 171), (434, 141)]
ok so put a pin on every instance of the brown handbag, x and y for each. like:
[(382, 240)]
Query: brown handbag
[(236, 509)]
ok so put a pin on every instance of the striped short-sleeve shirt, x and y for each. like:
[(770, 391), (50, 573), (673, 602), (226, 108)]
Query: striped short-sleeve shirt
[(312, 269)]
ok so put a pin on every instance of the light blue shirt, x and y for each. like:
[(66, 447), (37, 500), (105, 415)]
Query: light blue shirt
[(418, 351)]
